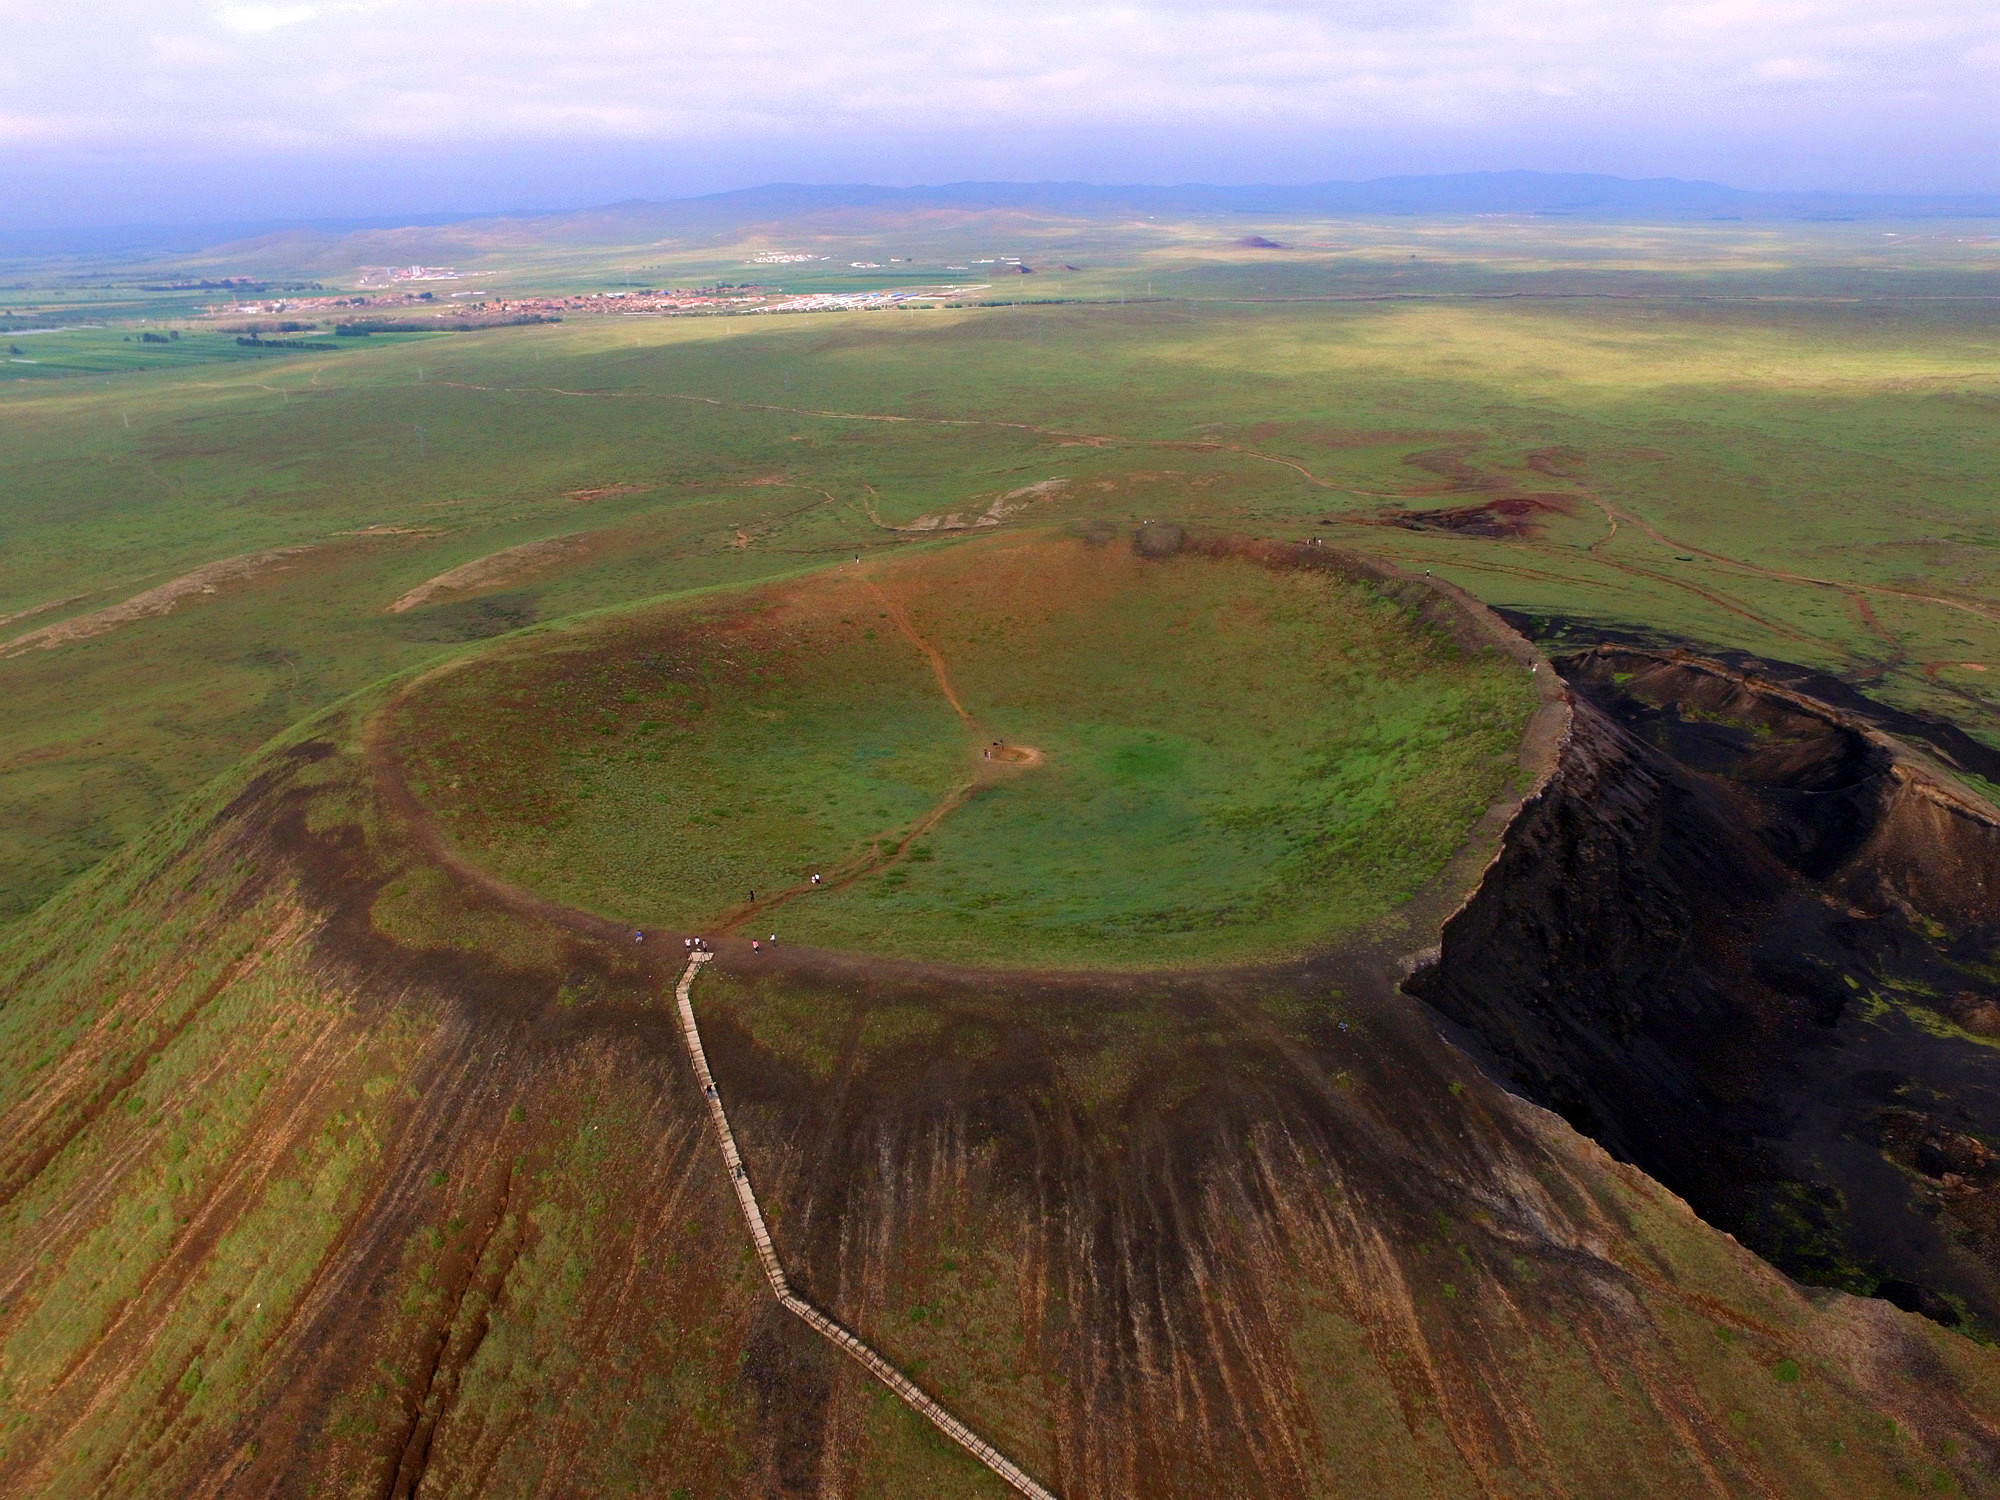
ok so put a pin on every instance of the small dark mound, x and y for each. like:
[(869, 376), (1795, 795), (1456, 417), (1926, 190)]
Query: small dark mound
[(1257, 242), (1097, 532), (1159, 539), (469, 619), (1976, 1013)]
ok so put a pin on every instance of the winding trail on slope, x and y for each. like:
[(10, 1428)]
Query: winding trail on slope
[(827, 1327), (901, 618), (848, 871)]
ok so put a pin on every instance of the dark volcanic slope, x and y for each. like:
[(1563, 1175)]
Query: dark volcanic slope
[(1750, 945), (1940, 737)]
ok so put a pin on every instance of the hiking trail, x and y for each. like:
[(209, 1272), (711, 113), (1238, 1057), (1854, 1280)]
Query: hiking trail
[(781, 1287)]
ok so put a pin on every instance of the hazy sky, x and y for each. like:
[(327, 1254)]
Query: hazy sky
[(123, 110)]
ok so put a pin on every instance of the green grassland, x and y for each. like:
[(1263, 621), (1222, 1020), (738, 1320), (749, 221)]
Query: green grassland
[(85, 350), (1803, 446), (1235, 758)]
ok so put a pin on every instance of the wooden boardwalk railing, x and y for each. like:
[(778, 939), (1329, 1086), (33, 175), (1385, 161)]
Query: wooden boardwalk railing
[(792, 1302)]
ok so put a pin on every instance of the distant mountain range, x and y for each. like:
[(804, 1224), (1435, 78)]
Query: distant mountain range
[(1566, 194), (1571, 195)]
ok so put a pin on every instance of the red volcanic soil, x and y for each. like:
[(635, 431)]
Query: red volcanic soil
[(1510, 512)]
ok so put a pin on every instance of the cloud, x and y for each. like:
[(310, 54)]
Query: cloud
[(1797, 70), (250, 20), (1666, 86)]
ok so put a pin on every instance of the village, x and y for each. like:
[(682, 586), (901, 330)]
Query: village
[(462, 308)]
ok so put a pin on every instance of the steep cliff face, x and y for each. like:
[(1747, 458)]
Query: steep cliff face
[(1748, 943)]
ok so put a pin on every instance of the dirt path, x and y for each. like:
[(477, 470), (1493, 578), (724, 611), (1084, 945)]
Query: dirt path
[(901, 617), (774, 1271), (848, 871), (1847, 586)]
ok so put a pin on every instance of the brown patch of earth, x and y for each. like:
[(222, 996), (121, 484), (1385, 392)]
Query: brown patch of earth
[(966, 519), (1451, 465), (605, 492), (160, 600), (1558, 463), (508, 565)]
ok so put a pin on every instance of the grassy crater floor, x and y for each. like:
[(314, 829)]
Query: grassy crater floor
[(1201, 757)]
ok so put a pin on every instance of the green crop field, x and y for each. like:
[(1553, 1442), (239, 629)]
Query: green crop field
[(1220, 756)]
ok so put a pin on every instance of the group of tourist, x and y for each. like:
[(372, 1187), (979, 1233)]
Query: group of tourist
[(700, 945)]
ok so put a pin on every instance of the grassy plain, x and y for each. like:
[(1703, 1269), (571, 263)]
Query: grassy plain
[(1777, 441), (1231, 757)]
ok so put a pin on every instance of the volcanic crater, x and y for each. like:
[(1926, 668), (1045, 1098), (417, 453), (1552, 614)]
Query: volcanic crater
[(1245, 1221)]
